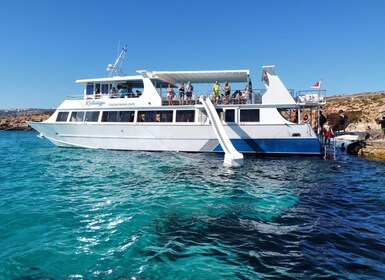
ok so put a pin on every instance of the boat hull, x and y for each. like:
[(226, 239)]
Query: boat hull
[(253, 139)]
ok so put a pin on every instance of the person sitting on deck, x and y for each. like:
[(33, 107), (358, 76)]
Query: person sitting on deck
[(97, 93), (121, 93), (112, 92), (236, 95), (244, 96)]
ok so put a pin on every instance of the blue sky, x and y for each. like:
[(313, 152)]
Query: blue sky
[(46, 45)]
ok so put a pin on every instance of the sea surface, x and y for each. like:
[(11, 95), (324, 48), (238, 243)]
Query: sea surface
[(96, 214)]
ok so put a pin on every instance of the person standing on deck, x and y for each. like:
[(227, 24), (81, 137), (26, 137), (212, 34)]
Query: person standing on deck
[(322, 119), (181, 93), (189, 92), (328, 132), (227, 90), (216, 92), (170, 94)]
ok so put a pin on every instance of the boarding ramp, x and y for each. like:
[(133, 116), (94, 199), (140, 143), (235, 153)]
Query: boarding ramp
[(232, 157)]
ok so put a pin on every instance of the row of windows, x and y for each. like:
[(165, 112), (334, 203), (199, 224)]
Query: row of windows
[(246, 115)]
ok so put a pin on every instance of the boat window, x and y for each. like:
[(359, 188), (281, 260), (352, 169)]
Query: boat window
[(126, 116), (62, 116), (92, 116), (77, 116), (90, 89), (105, 88), (185, 115), (118, 116), (155, 116), (220, 114), (230, 115), (249, 115), (289, 114), (110, 116)]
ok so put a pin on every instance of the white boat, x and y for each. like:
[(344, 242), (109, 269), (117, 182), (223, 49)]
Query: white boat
[(343, 140), (252, 123), (348, 138)]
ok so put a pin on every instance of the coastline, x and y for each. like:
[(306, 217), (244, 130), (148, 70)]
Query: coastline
[(17, 119), (363, 110)]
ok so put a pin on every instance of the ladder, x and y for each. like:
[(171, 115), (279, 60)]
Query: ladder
[(330, 150)]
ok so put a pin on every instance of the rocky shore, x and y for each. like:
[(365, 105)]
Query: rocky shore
[(363, 110), (374, 149), (17, 119)]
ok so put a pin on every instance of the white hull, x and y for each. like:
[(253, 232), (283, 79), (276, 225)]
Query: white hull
[(171, 137)]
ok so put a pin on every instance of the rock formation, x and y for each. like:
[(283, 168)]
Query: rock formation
[(374, 149), (364, 110), (17, 119)]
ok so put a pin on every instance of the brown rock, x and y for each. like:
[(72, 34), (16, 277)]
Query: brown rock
[(373, 149)]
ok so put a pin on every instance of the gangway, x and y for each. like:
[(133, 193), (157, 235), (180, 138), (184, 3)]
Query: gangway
[(232, 158)]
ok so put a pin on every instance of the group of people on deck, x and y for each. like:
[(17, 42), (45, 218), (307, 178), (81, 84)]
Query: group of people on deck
[(186, 93), (217, 95), (119, 92)]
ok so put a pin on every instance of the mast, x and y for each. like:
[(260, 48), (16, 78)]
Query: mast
[(116, 67)]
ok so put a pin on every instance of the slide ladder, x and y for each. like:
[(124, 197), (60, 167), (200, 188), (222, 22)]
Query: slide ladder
[(233, 158)]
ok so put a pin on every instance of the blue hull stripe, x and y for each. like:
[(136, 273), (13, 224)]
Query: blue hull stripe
[(275, 146)]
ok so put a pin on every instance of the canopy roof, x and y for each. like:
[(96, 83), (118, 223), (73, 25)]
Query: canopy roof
[(231, 76), (162, 78)]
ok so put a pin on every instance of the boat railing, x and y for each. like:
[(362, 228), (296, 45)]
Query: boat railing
[(311, 97), (238, 96)]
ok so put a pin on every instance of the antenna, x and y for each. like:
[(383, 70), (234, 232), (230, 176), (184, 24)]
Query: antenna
[(116, 67)]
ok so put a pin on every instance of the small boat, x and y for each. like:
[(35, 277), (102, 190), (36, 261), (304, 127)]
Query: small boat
[(348, 137), (344, 139), (122, 112)]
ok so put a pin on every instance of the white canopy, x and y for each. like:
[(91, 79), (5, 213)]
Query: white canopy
[(175, 77), (162, 78)]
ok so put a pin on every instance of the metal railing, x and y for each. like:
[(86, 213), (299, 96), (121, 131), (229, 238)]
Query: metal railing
[(311, 96)]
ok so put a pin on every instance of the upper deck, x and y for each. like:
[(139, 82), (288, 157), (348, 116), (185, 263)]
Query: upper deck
[(149, 88)]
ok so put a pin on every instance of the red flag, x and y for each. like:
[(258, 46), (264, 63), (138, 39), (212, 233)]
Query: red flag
[(316, 85)]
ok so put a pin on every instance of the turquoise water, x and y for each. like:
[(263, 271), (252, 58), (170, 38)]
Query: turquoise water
[(93, 214)]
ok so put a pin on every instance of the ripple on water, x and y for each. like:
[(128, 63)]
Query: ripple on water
[(76, 214)]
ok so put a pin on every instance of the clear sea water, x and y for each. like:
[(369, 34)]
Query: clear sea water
[(94, 214)]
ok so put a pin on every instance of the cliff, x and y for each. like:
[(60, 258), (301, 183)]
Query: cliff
[(364, 110)]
